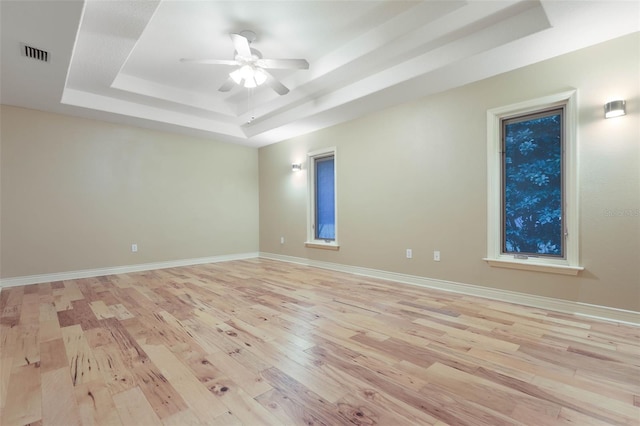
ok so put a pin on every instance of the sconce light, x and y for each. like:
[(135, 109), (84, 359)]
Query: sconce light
[(615, 109), (296, 167)]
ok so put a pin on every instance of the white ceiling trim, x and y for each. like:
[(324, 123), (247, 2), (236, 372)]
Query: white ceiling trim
[(119, 61)]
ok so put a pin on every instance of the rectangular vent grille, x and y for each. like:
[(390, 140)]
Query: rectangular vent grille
[(34, 53)]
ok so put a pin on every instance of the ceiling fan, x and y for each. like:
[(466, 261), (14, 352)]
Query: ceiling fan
[(251, 68)]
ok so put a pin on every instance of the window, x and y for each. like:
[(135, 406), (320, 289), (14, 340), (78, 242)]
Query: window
[(325, 202), (532, 213), (322, 232), (532, 178)]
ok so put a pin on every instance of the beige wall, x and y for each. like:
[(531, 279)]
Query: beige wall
[(77, 193), (414, 176)]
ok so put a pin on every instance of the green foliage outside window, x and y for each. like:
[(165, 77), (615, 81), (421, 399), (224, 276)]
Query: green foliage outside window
[(532, 173)]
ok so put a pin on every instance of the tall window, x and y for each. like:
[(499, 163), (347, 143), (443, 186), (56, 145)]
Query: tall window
[(325, 202), (532, 190), (532, 185), (322, 232)]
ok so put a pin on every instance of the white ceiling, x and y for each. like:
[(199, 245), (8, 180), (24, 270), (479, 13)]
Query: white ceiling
[(119, 60)]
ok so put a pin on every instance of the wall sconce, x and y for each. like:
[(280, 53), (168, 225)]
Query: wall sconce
[(615, 109), (296, 167)]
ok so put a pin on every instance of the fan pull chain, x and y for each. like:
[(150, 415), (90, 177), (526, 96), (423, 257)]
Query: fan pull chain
[(250, 105)]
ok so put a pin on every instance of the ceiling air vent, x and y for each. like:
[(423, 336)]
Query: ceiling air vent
[(34, 53)]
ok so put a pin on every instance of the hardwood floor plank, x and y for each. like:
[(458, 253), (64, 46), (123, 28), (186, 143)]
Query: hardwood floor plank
[(11, 299), (246, 409), (378, 408), (202, 403), (203, 370), (83, 365), (53, 355), (394, 374), (61, 302), (289, 411), (45, 289), (213, 339), (30, 312), (8, 336), (120, 311), (610, 370), (583, 401), (362, 394), (27, 346), (162, 396), (59, 405), (116, 368), (95, 404), (326, 411), (72, 291), (134, 409), (571, 417), (49, 330), (299, 365), (56, 285), (24, 396), (522, 362), (252, 383), (256, 341), (498, 397), (227, 419), (430, 406), (172, 332), (100, 309), (79, 314), (183, 418), (360, 348)]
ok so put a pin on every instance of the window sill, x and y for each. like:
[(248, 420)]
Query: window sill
[(534, 266), (323, 246)]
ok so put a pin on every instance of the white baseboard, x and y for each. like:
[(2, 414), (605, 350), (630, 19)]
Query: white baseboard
[(559, 305), (577, 308), (88, 273)]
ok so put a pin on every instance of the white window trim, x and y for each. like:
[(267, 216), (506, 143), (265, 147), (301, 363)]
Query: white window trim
[(312, 241), (569, 265)]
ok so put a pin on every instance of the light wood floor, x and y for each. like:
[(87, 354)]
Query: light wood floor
[(262, 342)]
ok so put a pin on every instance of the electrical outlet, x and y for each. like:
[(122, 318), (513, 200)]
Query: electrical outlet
[(134, 248), (281, 240), (436, 256), (409, 253)]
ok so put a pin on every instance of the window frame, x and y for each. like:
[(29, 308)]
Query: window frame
[(524, 117), (312, 157), (569, 264)]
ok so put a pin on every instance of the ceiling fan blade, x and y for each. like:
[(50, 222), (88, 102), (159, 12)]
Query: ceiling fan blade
[(241, 44), (300, 64), (228, 85), (271, 81), (210, 61)]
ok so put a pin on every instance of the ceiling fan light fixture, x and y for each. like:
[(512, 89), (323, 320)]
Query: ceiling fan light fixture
[(260, 76), (250, 83), (251, 68), (247, 72), (248, 76), (236, 76)]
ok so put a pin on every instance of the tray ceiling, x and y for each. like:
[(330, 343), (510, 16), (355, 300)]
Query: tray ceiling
[(119, 60)]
